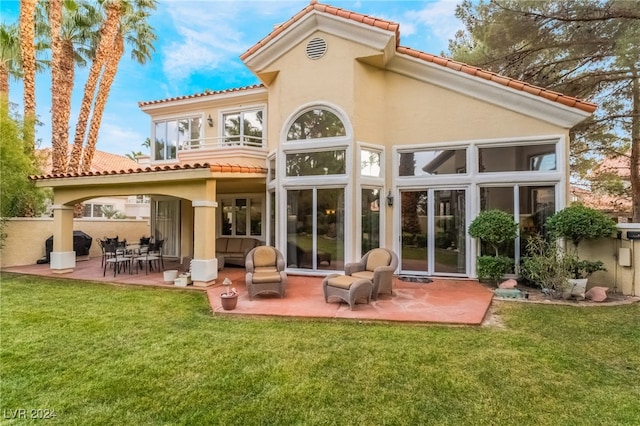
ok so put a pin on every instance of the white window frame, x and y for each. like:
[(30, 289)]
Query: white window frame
[(158, 120), (246, 108)]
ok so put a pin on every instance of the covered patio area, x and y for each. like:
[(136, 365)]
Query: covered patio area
[(444, 301)]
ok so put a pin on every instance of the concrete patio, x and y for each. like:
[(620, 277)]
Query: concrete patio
[(445, 301)]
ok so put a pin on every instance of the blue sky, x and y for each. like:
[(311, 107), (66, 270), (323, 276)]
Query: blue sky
[(198, 48)]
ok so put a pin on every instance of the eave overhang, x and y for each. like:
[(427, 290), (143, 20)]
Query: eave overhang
[(379, 39)]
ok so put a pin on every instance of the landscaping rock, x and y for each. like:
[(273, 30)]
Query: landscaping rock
[(597, 294), (508, 284)]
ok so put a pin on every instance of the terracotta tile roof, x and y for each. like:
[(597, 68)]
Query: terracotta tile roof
[(102, 161), (604, 202), (199, 95), (497, 78), (438, 60), (218, 168), (325, 8)]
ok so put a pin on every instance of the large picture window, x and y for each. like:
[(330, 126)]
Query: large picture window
[(370, 163), (432, 162), (315, 124), (244, 127), (173, 135), (242, 216), (316, 163), (521, 158)]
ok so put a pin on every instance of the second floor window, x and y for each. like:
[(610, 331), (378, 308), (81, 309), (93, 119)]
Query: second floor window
[(173, 135), (244, 127)]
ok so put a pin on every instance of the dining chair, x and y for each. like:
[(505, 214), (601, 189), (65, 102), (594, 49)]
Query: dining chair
[(115, 256)]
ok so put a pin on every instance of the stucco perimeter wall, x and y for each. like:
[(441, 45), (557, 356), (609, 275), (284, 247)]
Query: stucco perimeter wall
[(624, 279), (26, 237)]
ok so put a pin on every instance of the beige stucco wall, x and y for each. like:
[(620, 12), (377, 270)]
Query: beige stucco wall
[(302, 81), (26, 237), (624, 279)]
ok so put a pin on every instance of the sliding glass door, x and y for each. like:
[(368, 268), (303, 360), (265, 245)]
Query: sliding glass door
[(433, 238), (315, 228)]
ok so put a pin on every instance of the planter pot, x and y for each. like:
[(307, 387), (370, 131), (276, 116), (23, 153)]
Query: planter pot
[(170, 275), (576, 287), (228, 302)]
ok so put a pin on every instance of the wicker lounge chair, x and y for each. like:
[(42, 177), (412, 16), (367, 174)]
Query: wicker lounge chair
[(378, 266), (265, 271)]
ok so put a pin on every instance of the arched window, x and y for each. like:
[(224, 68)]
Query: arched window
[(314, 124)]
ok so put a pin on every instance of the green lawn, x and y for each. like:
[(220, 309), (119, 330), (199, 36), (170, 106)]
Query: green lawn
[(101, 354)]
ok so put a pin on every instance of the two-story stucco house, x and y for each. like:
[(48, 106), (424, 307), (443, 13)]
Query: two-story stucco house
[(351, 141)]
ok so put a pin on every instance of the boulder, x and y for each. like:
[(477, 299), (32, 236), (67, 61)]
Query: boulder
[(597, 294), (510, 283)]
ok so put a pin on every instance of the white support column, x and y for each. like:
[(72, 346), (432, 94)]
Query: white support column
[(204, 266), (63, 257)]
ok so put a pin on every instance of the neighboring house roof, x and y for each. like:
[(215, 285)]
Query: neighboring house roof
[(619, 165), (102, 161), (605, 202)]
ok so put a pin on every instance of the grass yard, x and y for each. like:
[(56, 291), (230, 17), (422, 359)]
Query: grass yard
[(102, 354)]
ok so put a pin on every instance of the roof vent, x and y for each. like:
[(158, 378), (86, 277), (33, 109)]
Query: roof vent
[(316, 48)]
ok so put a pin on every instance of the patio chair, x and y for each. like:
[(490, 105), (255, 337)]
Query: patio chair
[(115, 257), (104, 253), (378, 266), (151, 256), (265, 271)]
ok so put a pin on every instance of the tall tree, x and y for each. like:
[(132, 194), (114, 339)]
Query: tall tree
[(28, 56), (9, 57), (584, 48), (134, 29), (108, 32), (58, 84), (72, 35)]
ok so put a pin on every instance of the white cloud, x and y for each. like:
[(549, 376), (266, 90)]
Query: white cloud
[(439, 17), (119, 139), (206, 36)]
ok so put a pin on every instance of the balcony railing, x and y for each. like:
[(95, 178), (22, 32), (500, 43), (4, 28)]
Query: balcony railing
[(223, 142)]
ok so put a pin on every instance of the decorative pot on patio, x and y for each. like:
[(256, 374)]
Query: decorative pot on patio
[(229, 300)]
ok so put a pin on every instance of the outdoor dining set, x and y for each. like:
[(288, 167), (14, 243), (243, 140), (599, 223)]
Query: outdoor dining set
[(123, 256)]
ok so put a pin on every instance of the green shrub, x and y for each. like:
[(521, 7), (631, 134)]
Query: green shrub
[(493, 267), (494, 227), (546, 265), (577, 223)]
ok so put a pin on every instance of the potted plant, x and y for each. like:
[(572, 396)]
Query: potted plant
[(229, 298), (578, 223), (494, 227)]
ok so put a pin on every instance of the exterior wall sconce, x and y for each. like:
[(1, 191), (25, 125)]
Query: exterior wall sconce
[(389, 199), (210, 121)]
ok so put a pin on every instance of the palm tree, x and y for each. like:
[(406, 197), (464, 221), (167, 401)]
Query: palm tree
[(134, 29), (28, 56), (108, 32), (72, 42), (9, 56), (58, 147)]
